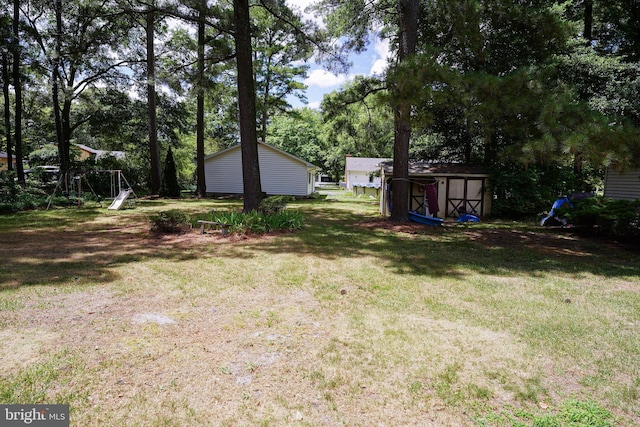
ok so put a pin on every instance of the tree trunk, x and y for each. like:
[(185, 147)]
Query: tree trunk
[(154, 151), (408, 15), (66, 130), (55, 94), (201, 187), (265, 104), (247, 107), (7, 108), (17, 87), (587, 32)]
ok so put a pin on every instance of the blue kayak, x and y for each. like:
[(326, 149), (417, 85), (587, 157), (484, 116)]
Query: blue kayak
[(423, 219)]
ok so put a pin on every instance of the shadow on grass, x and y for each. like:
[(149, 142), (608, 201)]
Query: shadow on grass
[(57, 248), (496, 249), (60, 247)]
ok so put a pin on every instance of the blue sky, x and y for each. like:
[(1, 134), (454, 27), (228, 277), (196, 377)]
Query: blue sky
[(320, 81)]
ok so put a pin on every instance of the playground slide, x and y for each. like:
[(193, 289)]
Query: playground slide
[(119, 201)]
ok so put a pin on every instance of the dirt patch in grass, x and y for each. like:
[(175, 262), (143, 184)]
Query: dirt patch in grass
[(23, 346), (382, 224), (194, 238), (545, 241)]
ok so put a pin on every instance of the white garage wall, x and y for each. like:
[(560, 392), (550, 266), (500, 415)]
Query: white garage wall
[(279, 172)]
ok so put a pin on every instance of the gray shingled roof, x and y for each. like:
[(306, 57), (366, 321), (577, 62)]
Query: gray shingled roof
[(428, 168)]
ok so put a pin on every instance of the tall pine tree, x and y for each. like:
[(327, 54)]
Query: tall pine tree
[(170, 186)]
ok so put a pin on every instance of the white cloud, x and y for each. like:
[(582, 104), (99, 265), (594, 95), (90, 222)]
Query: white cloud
[(378, 68), (315, 105), (324, 79), (301, 5), (381, 57), (381, 47)]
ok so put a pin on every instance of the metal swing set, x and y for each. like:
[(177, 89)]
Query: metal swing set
[(72, 185)]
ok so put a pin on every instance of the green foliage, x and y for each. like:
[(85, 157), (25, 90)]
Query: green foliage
[(120, 124), (170, 221), (278, 55), (522, 193), (39, 382), (275, 203), (47, 155), (577, 413), (101, 174), (14, 197), (616, 218), (257, 222), (571, 413), (615, 30), (170, 186), (300, 133), (358, 121)]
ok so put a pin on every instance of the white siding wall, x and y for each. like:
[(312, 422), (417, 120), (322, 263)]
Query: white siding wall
[(361, 177), (622, 185), (282, 175), (223, 173), (279, 174)]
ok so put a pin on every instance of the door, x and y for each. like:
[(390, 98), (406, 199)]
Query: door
[(464, 195)]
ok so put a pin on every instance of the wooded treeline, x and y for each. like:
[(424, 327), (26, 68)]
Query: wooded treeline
[(545, 93)]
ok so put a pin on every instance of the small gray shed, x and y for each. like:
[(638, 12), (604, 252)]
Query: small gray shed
[(280, 173), (622, 185)]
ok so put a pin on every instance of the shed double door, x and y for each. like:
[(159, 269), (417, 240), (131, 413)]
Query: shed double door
[(464, 195)]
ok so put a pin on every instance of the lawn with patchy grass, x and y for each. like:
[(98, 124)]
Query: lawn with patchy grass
[(351, 321)]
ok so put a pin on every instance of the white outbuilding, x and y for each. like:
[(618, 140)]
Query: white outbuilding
[(281, 173), (362, 172)]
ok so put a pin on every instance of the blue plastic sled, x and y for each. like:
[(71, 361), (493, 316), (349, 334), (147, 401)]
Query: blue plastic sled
[(468, 218)]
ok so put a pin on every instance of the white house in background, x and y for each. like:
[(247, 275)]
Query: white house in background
[(362, 172), (86, 152), (280, 173), (622, 185)]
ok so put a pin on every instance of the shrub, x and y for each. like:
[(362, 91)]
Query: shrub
[(170, 186), (615, 218), (256, 222), (275, 204), (521, 193), (170, 221), (45, 155), (14, 197)]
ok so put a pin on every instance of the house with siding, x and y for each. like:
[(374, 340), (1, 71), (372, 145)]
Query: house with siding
[(622, 185), (281, 173), (362, 172)]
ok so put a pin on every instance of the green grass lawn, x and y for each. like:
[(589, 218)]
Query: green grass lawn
[(351, 321)]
